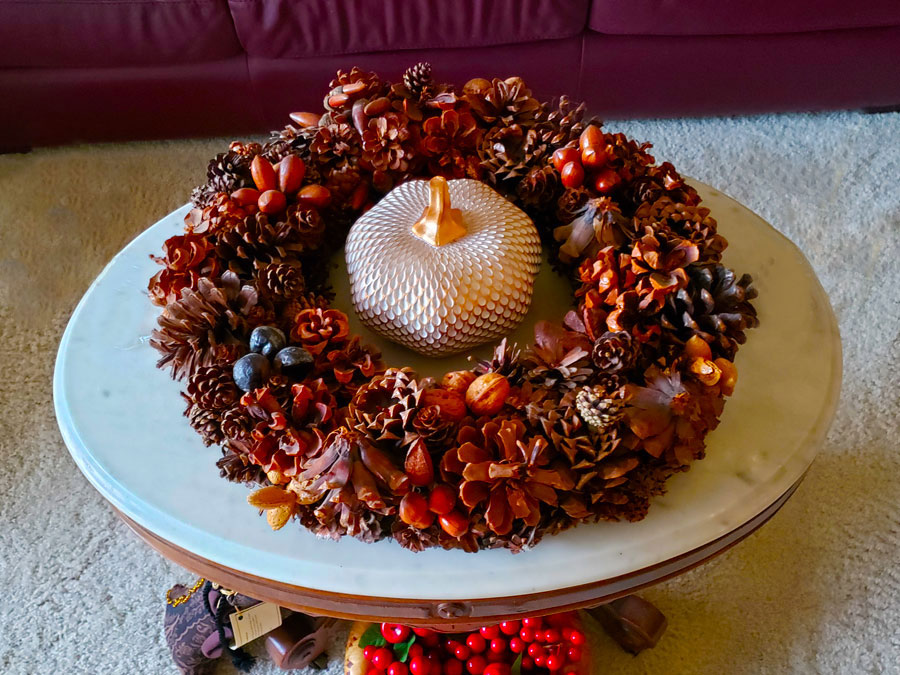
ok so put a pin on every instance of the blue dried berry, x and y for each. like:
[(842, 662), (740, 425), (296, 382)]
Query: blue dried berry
[(251, 371), (295, 362), (267, 340)]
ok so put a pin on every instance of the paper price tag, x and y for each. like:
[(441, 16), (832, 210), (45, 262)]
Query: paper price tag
[(254, 622)]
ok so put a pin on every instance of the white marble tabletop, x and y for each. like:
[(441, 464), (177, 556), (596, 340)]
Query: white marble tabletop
[(122, 421)]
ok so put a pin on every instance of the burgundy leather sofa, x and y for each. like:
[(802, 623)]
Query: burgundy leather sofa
[(96, 70)]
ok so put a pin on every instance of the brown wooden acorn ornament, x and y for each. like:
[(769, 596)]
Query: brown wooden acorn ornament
[(441, 278)]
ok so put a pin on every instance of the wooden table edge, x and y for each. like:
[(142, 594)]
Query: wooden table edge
[(452, 614)]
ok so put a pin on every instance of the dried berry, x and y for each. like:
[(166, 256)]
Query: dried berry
[(267, 340), (294, 361)]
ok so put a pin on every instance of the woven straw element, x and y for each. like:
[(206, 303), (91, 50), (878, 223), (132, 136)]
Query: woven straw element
[(439, 300)]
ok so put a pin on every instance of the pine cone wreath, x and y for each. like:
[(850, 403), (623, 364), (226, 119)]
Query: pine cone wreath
[(693, 223), (388, 143), (336, 142), (187, 258), (237, 424)]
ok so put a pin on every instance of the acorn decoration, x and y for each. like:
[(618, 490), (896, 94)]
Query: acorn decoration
[(441, 279)]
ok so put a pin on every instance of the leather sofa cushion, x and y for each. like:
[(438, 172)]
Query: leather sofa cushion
[(737, 17), (92, 33), (304, 28)]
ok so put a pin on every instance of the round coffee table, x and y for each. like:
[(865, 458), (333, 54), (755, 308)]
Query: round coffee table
[(122, 421)]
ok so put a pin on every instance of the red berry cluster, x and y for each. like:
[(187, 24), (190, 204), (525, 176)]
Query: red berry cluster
[(419, 511), (541, 644), (588, 163)]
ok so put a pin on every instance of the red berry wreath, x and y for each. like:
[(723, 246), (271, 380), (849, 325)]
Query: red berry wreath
[(585, 424)]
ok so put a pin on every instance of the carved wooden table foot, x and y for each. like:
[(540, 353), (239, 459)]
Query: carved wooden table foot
[(632, 622)]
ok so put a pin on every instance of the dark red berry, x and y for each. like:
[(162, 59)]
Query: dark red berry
[(397, 668), (498, 645), (534, 649), (382, 658), (461, 652), (510, 627), (498, 668), (554, 662), (576, 637), (415, 649), (527, 634), (489, 632), (372, 670), (419, 665), (423, 632), (574, 654), (552, 635), (532, 622), (476, 665), (453, 667), (527, 663), (476, 642), (394, 633), (540, 660), (517, 645), (369, 652)]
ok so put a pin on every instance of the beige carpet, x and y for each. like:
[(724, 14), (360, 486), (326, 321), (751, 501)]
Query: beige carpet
[(816, 590)]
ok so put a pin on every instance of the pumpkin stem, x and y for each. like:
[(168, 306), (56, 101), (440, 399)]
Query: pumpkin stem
[(439, 223)]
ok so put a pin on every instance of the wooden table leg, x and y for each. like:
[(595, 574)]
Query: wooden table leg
[(632, 622)]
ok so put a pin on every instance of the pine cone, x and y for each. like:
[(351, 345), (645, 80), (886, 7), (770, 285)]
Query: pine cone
[(716, 306), (188, 258), (337, 100), (342, 181), (506, 473), (235, 467), (560, 122), (336, 142), (506, 361), (226, 172), (615, 352), (306, 226), (237, 424), (412, 538), (317, 329), (693, 223), (450, 141), (539, 188), (283, 281), (349, 463), (388, 142), (432, 427), (418, 79), (207, 326), (350, 365), (256, 241), (571, 203), (558, 358), (212, 388), (508, 153), (207, 423), (290, 141), (385, 408), (505, 103), (597, 410)]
